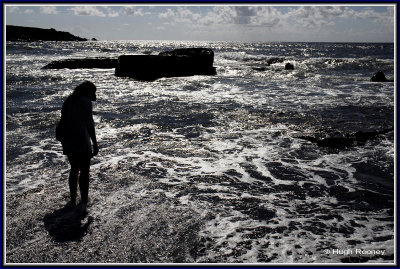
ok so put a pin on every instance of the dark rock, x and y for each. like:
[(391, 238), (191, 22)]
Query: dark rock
[(371, 174), (274, 60), (29, 34), (349, 140), (374, 199), (380, 77), (104, 63), (336, 142), (205, 56), (289, 66), (94, 39), (264, 64), (252, 207), (337, 190), (180, 62), (259, 68)]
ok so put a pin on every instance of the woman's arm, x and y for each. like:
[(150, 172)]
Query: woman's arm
[(92, 134), (90, 127)]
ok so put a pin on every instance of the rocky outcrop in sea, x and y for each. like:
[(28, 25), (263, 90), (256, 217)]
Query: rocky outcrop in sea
[(176, 63), (82, 63), (30, 34), (179, 62)]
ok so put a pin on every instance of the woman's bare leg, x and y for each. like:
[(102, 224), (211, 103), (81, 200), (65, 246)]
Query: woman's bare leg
[(73, 179)]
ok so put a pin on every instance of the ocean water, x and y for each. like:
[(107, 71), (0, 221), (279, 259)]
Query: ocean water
[(206, 169)]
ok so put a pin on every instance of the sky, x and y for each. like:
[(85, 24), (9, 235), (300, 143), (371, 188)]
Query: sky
[(246, 23)]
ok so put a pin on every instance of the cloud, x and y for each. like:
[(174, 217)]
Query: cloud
[(49, 10), (245, 11), (168, 14), (319, 16), (299, 17), (308, 20), (111, 12), (385, 18), (224, 15), (181, 15), (133, 11), (28, 11), (95, 11), (219, 16), (88, 11), (263, 16), (12, 9)]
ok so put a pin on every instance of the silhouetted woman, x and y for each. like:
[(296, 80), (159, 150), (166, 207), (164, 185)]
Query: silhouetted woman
[(77, 112)]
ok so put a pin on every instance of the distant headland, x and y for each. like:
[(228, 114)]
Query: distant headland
[(29, 34)]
